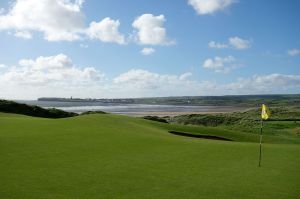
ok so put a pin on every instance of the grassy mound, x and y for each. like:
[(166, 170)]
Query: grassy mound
[(36, 111), (282, 121), (251, 115), (110, 156)]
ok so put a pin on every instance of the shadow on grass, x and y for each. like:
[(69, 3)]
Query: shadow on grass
[(210, 137)]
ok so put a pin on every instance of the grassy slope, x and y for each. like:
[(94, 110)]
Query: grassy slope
[(109, 156), (25, 109), (284, 126)]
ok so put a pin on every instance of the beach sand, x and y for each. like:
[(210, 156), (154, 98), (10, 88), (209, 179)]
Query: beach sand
[(176, 113)]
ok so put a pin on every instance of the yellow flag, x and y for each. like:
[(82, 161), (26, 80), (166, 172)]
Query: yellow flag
[(265, 113)]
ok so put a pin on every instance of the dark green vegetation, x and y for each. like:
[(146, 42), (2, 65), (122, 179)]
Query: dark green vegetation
[(156, 118), (93, 112), (13, 107), (111, 156), (229, 100)]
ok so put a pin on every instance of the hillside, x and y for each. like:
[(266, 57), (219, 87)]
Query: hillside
[(284, 121), (24, 109)]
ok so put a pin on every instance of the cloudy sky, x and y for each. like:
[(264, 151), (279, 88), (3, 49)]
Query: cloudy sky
[(143, 48)]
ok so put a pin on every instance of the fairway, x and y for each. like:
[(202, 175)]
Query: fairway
[(111, 156)]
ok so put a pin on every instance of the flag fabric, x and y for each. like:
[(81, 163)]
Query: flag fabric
[(265, 113)]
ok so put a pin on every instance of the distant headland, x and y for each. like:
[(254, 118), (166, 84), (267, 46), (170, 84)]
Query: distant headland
[(227, 100)]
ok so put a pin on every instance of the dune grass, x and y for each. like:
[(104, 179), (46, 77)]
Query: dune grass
[(110, 156)]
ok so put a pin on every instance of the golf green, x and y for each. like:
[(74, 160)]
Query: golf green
[(111, 156)]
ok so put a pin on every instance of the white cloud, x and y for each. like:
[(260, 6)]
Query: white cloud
[(23, 34), (294, 52), (258, 84), (213, 44), (143, 83), (84, 46), (147, 51), (203, 7), (151, 30), (139, 78), (139, 82), (53, 70), (233, 42), (2, 66), (57, 76), (58, 20), (219, 64), (185, 76), (106, 30), (239, 43)]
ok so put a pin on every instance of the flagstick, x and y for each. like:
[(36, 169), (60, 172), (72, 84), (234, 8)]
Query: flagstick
[(261, 129)]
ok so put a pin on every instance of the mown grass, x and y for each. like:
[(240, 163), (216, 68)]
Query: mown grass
[(110, 156)]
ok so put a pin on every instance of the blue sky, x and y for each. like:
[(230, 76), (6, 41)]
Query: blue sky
[(195, 47)]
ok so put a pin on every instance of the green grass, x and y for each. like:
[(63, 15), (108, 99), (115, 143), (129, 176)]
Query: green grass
[(110, 156)]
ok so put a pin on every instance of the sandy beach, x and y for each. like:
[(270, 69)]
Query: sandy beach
[(163, 114), (176, 113)]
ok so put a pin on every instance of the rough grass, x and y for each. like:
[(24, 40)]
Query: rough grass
[(109, 156), (282, 126)]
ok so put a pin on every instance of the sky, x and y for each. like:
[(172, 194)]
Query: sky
[(142, 48)]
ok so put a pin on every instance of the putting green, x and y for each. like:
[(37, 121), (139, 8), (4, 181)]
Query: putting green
[(110, 156)]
